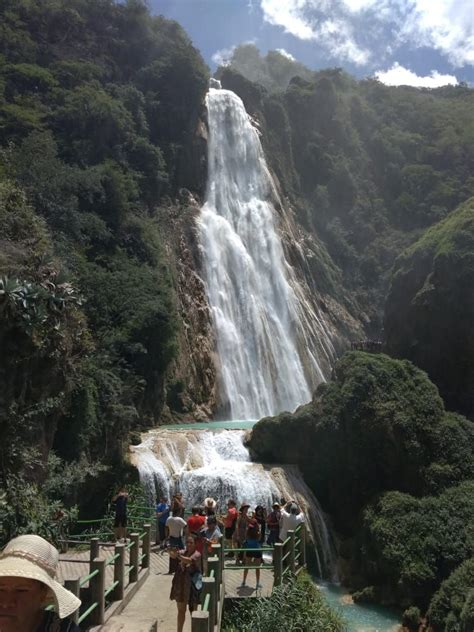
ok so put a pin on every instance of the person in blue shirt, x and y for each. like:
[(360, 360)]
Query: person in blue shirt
[(162, 515)]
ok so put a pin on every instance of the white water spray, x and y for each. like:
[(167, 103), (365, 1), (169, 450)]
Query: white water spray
[(202, 463), (268, 362)]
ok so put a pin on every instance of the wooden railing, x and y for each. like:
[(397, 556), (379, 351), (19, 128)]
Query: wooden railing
[(97, 595), (289, 559)]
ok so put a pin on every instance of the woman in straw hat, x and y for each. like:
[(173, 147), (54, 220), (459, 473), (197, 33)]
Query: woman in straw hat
[(28, 566)]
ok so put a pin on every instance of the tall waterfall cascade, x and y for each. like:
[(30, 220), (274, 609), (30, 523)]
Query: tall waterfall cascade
[(268, 336), (202, 463)]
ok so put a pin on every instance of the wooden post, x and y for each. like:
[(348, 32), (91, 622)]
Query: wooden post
[(146, 546), (291, 557), (205, 555), (209, 588), (218, 551), (302, 557), (200, 621), (73, 586), (213, 564), (97, 589), (134, 557), (278, 563), (119, 572), (94, 549)]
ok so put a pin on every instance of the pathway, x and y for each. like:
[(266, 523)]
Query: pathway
[(152, 601)]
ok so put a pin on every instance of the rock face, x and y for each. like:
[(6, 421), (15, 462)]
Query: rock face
[(191, 381), (429, 312)]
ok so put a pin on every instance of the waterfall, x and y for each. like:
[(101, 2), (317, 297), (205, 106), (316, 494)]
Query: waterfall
[(202, 463), (266, 337)]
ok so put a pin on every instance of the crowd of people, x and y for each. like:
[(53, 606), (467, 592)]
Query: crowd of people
[(244, 531), (28, 563)]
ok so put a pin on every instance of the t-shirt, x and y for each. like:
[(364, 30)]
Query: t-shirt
[(232, 515), (195, 523), (289, 522), (176, 525), (212, 534), (121, 505), (273, 520), (165, 508)]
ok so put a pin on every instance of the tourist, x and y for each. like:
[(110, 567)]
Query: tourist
[(175, 526), (253, 556), (240, 532), (162, 515), (229, 520), (273, 523), (210, 506), (187, 580), (28, 565), (211, 533), (291, 517), (195, 523), (120, 521), (177, 505), (261, 517)]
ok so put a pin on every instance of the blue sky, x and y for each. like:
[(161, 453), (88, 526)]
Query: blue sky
[(415, 42)]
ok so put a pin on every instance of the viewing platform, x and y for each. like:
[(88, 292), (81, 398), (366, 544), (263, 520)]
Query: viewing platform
[(126, 587)]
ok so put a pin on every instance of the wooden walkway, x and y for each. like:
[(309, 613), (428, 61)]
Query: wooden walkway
[(152, 601)]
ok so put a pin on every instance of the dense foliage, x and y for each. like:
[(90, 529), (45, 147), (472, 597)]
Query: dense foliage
[(296, 606), (98, 105), (392, 468), (367, 166), (452, 607), (430, 307)]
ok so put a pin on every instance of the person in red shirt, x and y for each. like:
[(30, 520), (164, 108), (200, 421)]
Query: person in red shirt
[(195, 523), (230, 520)]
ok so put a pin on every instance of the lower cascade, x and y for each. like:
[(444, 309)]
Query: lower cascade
[(216, 463)]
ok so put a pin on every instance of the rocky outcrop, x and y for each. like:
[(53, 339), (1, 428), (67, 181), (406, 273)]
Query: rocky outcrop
[(430, 307), (191, 391)]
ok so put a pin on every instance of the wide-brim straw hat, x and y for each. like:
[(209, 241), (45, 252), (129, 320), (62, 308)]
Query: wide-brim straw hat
[(210, 502), (32, 557)]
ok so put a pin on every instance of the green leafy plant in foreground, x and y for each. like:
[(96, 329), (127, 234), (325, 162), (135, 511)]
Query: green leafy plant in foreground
[(296, 606)]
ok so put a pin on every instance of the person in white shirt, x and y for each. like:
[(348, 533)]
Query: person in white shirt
[(290, 519), (175, 526)]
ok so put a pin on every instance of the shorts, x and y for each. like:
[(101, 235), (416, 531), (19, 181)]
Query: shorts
[(254, 555), (229, 532), (120, 521)]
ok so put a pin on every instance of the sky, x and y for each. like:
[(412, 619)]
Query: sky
[(426, 43)]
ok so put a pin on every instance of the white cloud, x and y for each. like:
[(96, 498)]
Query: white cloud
[(286, 54), (447, 25), (399, 76), (359, 5), (222, 56), (290, 14), (306, 20), (381, 25)]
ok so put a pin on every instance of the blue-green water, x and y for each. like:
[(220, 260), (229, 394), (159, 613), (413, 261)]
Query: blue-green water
[(360, 618), (213, 425)]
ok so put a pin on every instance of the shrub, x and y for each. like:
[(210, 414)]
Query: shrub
[(296, 606)]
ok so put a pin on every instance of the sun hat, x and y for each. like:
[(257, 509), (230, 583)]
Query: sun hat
[(243, 505), (32, 557), (276, 505), (210, 502)]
